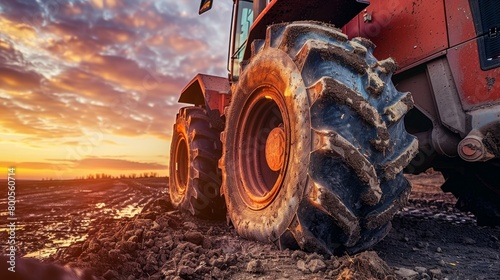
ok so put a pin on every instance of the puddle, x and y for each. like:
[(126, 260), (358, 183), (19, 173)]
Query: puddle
[(19, 227), (128, 212), (100, 205), (55, 245)]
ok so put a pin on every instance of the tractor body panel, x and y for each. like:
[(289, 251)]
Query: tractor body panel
[(460, 22), (476, 87), (408, 31)]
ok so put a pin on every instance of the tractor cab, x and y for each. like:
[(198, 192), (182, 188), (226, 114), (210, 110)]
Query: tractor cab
[(242, 20)]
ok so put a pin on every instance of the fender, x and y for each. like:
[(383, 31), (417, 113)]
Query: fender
[(337, 12), (206, 90)]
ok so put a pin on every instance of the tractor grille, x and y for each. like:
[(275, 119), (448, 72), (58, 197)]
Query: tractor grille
[(487, 20)]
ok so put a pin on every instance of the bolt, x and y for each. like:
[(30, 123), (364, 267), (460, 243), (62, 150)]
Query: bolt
[(468, 151), (471, 148)]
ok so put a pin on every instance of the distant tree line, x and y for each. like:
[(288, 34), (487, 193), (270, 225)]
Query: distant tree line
[(98, 176)]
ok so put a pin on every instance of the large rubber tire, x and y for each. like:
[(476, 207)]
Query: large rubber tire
[(477, 187), (195, 180), (338, 179)]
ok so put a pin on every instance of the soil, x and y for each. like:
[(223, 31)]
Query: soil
[(127, 229)]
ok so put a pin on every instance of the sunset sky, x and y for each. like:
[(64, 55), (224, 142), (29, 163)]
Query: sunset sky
[(92, 86)]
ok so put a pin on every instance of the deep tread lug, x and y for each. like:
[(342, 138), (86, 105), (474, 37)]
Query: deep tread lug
[(332, 52), (328, 202), (305, 239), (379, 218), (387, 66), (364, 42), (329, 88), (397, 110), (395, 166), (332, 142)]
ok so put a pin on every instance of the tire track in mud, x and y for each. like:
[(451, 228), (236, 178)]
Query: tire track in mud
[(55, 214)]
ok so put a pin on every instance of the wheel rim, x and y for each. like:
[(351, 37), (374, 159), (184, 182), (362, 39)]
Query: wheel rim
[(181, 166), (262, 147)]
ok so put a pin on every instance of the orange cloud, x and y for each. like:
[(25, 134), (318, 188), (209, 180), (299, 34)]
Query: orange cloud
[(183, 45), (11, 79)]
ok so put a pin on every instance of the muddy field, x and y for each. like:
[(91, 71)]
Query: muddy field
[(127, 229)]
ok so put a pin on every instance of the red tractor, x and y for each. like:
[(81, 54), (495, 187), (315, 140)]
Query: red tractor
[(306, 143)]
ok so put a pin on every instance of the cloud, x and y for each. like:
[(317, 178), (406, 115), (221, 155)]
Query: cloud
[(72, 67), (33, 165), (13, 79)]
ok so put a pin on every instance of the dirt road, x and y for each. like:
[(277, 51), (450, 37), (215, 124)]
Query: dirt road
[(429, 239)]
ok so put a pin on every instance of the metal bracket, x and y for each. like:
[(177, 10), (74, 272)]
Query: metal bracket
[(367, 17), (446, 95)]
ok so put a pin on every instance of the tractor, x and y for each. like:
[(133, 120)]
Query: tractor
[(305, 143)]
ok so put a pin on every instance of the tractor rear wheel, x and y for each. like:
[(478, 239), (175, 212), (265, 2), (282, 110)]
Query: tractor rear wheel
[(194, 181), (314, 143)]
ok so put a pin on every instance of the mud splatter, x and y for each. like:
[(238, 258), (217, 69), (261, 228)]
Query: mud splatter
[(490, 82)]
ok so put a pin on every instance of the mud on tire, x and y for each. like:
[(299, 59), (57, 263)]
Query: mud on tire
[(194, 181), (330, 179)]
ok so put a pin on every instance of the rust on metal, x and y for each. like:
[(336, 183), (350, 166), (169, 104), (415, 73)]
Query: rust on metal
[(472, 148), (469, 150)]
